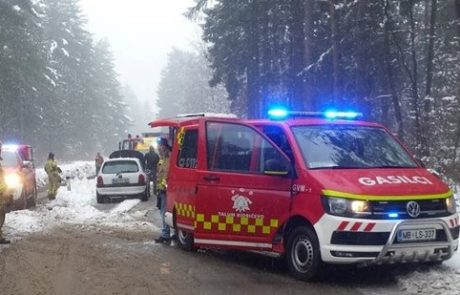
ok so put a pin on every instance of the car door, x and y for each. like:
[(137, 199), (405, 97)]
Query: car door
[(238, 203), (182, 179)]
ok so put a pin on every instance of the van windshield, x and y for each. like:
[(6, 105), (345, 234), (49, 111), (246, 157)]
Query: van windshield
[(350, 147)]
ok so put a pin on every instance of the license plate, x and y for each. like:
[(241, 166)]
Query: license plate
[(120, 180), (416, 235)]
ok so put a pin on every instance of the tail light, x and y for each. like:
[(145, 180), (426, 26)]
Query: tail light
[(100, 181), (141, 179)]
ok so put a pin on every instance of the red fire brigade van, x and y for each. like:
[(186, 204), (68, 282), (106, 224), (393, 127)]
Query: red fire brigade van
[(313, 189)]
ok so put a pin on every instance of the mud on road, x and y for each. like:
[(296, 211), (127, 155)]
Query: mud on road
[(73, 259)]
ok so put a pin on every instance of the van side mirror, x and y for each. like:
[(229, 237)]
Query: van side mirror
[(276, 167), (28, 164)]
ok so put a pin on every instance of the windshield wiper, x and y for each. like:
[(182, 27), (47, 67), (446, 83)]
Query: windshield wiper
[(393, 166), (339, 167)]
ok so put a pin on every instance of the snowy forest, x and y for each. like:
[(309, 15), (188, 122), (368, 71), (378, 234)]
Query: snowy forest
[(397, 61), (58, 87)]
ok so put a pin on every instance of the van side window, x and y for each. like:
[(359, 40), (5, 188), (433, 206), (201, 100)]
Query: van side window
[(237, 148), (277, 135), (187, 157)]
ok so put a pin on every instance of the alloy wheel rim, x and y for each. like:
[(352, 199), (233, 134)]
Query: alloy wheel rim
[(182, 236)]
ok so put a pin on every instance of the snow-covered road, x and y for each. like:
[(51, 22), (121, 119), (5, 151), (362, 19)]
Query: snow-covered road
[(138, 222)]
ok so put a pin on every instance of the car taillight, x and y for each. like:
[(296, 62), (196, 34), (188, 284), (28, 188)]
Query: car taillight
[(141, 179), (100, 181)]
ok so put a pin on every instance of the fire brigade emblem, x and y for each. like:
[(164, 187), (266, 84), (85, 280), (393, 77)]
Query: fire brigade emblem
[(240, 202)]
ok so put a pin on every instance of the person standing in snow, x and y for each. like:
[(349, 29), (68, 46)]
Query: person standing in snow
[(52, 169), (98, 162), (162, 178), (151, 160), (3, 200)]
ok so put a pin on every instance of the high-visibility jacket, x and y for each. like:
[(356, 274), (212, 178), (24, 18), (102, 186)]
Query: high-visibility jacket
[(162, 173), (51, 167)]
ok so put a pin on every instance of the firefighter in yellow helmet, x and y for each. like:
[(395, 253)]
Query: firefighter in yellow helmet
[(162, 184), (3, 200), (52, 169)]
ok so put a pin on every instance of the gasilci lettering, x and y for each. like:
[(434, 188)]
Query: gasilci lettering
[(383, 180)]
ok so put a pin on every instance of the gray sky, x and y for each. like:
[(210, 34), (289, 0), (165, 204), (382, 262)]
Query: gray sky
[(141, 33)]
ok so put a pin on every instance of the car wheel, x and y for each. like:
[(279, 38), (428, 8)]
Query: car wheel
[(33, 200), (22, 202), (100, 199), (184, 239), (302, 255), (145, 196)]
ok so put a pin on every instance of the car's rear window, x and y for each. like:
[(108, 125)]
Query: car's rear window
[(9, 159), (116, 167)]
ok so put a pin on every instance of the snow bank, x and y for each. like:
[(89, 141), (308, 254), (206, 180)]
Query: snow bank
[(78, 208), (80, 170)]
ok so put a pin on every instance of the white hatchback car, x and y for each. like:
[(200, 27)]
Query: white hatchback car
[(122, 177)]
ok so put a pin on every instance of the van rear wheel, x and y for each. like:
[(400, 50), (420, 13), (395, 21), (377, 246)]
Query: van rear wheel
[(303, 255), (184, 239)]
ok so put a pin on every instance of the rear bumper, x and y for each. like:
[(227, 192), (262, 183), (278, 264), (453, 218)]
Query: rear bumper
[(121, 190), (347, 240)]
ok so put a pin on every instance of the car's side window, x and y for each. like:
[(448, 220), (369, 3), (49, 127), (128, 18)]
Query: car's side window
[(238, 148), (188, 148), (278, 136)]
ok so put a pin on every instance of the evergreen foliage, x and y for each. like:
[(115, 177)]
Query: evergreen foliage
[(398, 61), (58, 87), (184, 86)]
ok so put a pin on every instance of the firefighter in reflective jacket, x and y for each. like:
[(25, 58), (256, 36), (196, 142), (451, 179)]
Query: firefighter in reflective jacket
[(52, 169), (162, 175), (3, 200)]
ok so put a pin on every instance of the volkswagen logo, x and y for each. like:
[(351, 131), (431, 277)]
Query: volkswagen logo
[(413, 209)]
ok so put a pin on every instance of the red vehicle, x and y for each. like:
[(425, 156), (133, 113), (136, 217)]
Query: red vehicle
[(309, 188), (18, 166)]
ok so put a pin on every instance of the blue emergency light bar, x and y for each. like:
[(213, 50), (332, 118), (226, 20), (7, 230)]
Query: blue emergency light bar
[(282, 114), (278, 114)]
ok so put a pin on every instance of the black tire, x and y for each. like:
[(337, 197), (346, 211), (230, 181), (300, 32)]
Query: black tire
[(33, 200), (184, 238), (23, 201), (100, 199), (303, 257), (145, 196)]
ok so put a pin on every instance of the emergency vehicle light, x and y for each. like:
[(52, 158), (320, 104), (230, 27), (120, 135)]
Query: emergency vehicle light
[(393, 215), (11, 147), (282, 113), (278, 113), (332, 114)]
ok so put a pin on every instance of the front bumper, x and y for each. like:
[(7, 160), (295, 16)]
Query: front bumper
[(351, 240)]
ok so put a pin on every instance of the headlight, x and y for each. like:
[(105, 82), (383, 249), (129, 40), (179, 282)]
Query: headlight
[(346, 207), (13, 180), (451, 205)]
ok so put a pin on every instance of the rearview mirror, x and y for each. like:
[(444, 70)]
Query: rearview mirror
[(276, 167), (28, 164)]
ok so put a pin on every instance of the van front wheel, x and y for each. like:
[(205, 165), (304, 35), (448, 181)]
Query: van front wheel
[(302, 255)]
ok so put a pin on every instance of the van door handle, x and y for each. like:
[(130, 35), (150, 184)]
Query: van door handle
[(211, 178)]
